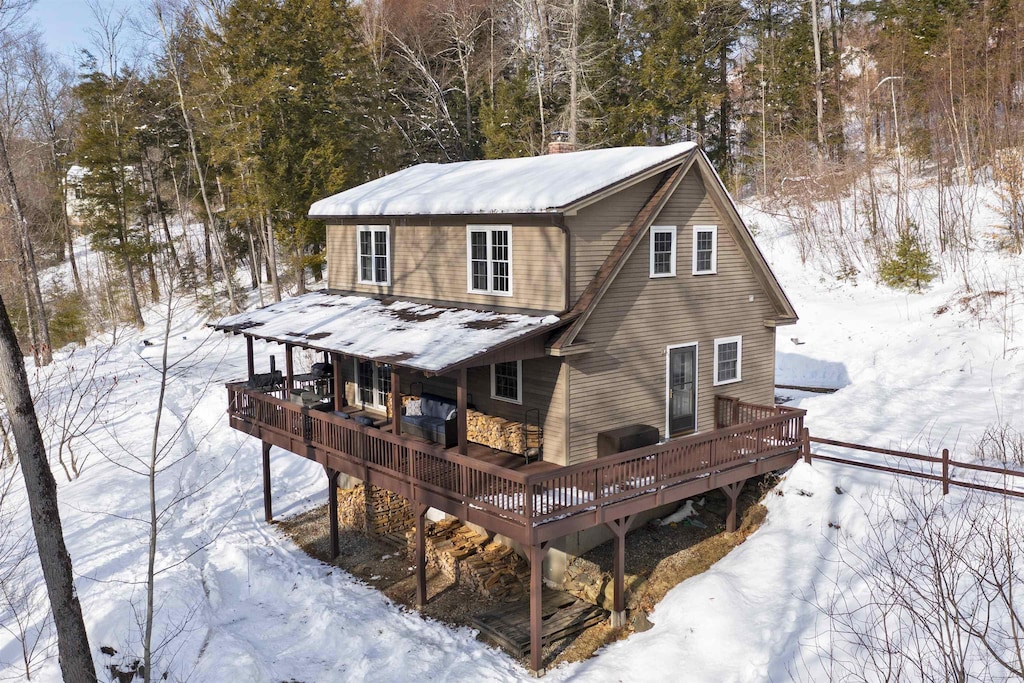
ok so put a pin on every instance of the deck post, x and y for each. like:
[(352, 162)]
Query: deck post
[(250, 361), (332, 508), (268, 512), (732, 494), (396, 402), (420, 511), (805, 434), (289, 371), (338, 385), (462, 407), (537, 553), (945, 471), (620, 527)]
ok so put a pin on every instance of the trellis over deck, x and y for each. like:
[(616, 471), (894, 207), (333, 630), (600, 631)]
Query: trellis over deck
[(532, 508)]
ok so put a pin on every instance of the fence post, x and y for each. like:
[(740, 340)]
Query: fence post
[(945, 471), (807, 445)]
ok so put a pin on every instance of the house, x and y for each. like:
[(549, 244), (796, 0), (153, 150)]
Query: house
[(576, 339)]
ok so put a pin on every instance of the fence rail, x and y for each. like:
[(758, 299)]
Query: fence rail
[(530, 500), (946, 464)]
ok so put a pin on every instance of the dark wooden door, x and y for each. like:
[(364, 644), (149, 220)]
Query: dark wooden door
[(682, 389)]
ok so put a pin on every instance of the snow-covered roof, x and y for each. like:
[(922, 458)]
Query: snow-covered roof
[(527, 185), (419, 336)]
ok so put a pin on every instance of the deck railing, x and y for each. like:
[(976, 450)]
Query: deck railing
[(541, 497), (732, 411)]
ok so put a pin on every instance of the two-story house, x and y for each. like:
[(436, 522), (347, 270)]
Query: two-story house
[(539, 346)]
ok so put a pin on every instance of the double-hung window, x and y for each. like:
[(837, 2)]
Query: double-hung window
[(489, 255), (507, 381), (374, 254), (728, 360), (705, 249), (663, 251)]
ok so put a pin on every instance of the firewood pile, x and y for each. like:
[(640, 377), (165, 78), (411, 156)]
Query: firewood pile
[(496, 432), (463, 555), (391, 512)]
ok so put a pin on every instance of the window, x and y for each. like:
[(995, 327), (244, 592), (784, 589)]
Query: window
[(373, 383), (705, 249), (663, 251), (490, 259), (507, 381), (374, 254), (728, 360)]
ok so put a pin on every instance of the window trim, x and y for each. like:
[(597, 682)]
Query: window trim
[(739, 360), (519, 384), (487, 230), (669, 229), (360, 229), (713, 229)]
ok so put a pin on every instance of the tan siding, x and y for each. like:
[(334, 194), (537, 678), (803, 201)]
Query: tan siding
[(596, 229), (430, 262), (622, 380)]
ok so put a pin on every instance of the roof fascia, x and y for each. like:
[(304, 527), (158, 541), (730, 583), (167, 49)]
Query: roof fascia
[(594, 197)]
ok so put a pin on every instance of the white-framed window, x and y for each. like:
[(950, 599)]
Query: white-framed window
[(373, 243), (489, 259), (507, 381), (373, 383), (705, 249), (663, 251), (728, 360)]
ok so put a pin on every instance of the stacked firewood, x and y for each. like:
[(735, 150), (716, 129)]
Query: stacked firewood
[(390, 512), (470, 558), (496, 432)]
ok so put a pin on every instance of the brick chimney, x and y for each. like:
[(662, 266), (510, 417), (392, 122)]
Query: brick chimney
[(560, 143)]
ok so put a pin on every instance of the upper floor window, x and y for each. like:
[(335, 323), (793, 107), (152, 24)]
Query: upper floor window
[(663, 251), (728, 360), (705, 249), (490, 259), (507, 381), (374, 254)]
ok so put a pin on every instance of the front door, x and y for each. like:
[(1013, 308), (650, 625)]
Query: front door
[(682, 389)]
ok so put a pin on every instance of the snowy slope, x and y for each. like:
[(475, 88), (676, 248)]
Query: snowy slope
[(239, 602)]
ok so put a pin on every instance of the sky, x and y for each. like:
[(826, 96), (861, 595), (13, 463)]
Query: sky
[(65, 24)]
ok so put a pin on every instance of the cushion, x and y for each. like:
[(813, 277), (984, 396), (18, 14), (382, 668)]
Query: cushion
[(435, 406), (364, 420), (452, 414), (413, 408), (343, 415)]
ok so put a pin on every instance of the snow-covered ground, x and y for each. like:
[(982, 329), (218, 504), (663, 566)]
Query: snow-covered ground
[(239, 602)]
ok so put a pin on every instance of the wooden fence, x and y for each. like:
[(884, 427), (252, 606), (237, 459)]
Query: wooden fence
[(947, 467)]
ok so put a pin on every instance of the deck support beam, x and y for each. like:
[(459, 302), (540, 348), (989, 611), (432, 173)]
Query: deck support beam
[(289, 371), (332, 509), (536, 555), (420, 510), (250, 361), (396, 402), (461, 408), (620, 527), (268, 512), (732, 494), (337, 385)]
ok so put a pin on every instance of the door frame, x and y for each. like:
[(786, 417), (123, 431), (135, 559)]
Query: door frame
[(668, 385)]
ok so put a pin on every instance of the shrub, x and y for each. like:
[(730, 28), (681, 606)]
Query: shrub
[(910, 267)]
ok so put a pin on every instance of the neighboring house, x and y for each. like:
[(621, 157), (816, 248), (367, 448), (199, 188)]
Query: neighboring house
[(74, 198), (565, 307)]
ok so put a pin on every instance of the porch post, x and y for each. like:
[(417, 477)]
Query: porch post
[(289, 371), (339, 386), (268, 512), (732, 494), (619, 527), (332, 508), (421, 554), (461, 408), (250, 364), (396, 402), (537, 553)]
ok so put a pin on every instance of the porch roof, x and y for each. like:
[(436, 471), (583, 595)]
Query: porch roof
[(428, 338)]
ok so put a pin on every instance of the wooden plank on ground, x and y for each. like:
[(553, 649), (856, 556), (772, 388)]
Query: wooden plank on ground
[(563, 615)]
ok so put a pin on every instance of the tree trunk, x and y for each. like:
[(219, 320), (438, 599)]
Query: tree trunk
[(154, 285), (74, 654), (818, 96), (275, 283), (45, 354), (154, 191), (129, 269)]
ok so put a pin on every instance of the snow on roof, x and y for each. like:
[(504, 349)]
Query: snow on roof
[(527, 185), (412, 335)]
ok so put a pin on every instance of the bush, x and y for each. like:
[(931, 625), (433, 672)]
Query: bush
[(67, 320), (910, 267)]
